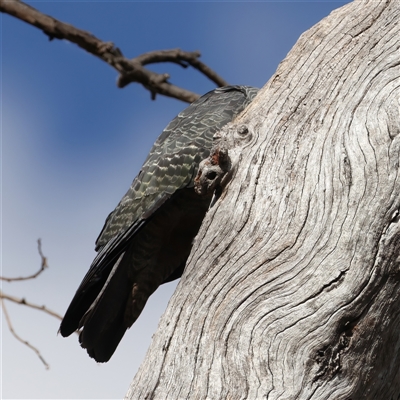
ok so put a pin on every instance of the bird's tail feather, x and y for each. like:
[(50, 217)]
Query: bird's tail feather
[(102, 326), (116, 308)]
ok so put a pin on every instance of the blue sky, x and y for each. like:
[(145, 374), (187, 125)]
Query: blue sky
[(72, 142)]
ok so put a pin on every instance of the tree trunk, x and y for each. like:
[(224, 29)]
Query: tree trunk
[(292, 289)]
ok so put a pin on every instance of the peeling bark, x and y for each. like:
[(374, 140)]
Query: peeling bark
[(292, 289)]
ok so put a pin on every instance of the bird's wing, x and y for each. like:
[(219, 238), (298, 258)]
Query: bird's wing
[(172, 162), (171, 165)]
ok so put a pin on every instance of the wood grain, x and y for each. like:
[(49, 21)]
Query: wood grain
[(292, 289)]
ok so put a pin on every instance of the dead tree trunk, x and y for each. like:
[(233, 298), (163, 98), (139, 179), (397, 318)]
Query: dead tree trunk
[(292, 290)]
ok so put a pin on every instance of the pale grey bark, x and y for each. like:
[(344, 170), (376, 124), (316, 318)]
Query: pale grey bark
[(292, 289)]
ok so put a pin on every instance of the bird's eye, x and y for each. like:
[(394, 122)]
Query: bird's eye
[(211, 175)]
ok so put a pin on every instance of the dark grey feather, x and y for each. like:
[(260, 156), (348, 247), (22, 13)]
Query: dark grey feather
[(147, 238)]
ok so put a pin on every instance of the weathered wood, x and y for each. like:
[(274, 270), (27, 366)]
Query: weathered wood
[(292, 290)]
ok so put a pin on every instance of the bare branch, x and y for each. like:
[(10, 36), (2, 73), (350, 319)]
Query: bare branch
[(33, 276), (183, 58), (129, 70), (23, 301), (19, 300), (25, 342)]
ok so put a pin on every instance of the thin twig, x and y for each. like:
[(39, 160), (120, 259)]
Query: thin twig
[(130, 70), (43, 266), (24, 302), (183, 58), (25, 342), (19, 300)]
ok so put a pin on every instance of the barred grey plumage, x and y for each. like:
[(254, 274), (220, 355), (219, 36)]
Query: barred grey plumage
[(147, 238)]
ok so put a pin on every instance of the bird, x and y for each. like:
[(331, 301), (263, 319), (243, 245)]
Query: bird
[(146, 240)]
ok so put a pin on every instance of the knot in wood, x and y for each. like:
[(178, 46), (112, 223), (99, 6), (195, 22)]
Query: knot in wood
[(242, 135), (242, 130)]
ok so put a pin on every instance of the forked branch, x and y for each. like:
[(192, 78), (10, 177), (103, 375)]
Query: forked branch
[(130, 70), (23, 301)]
